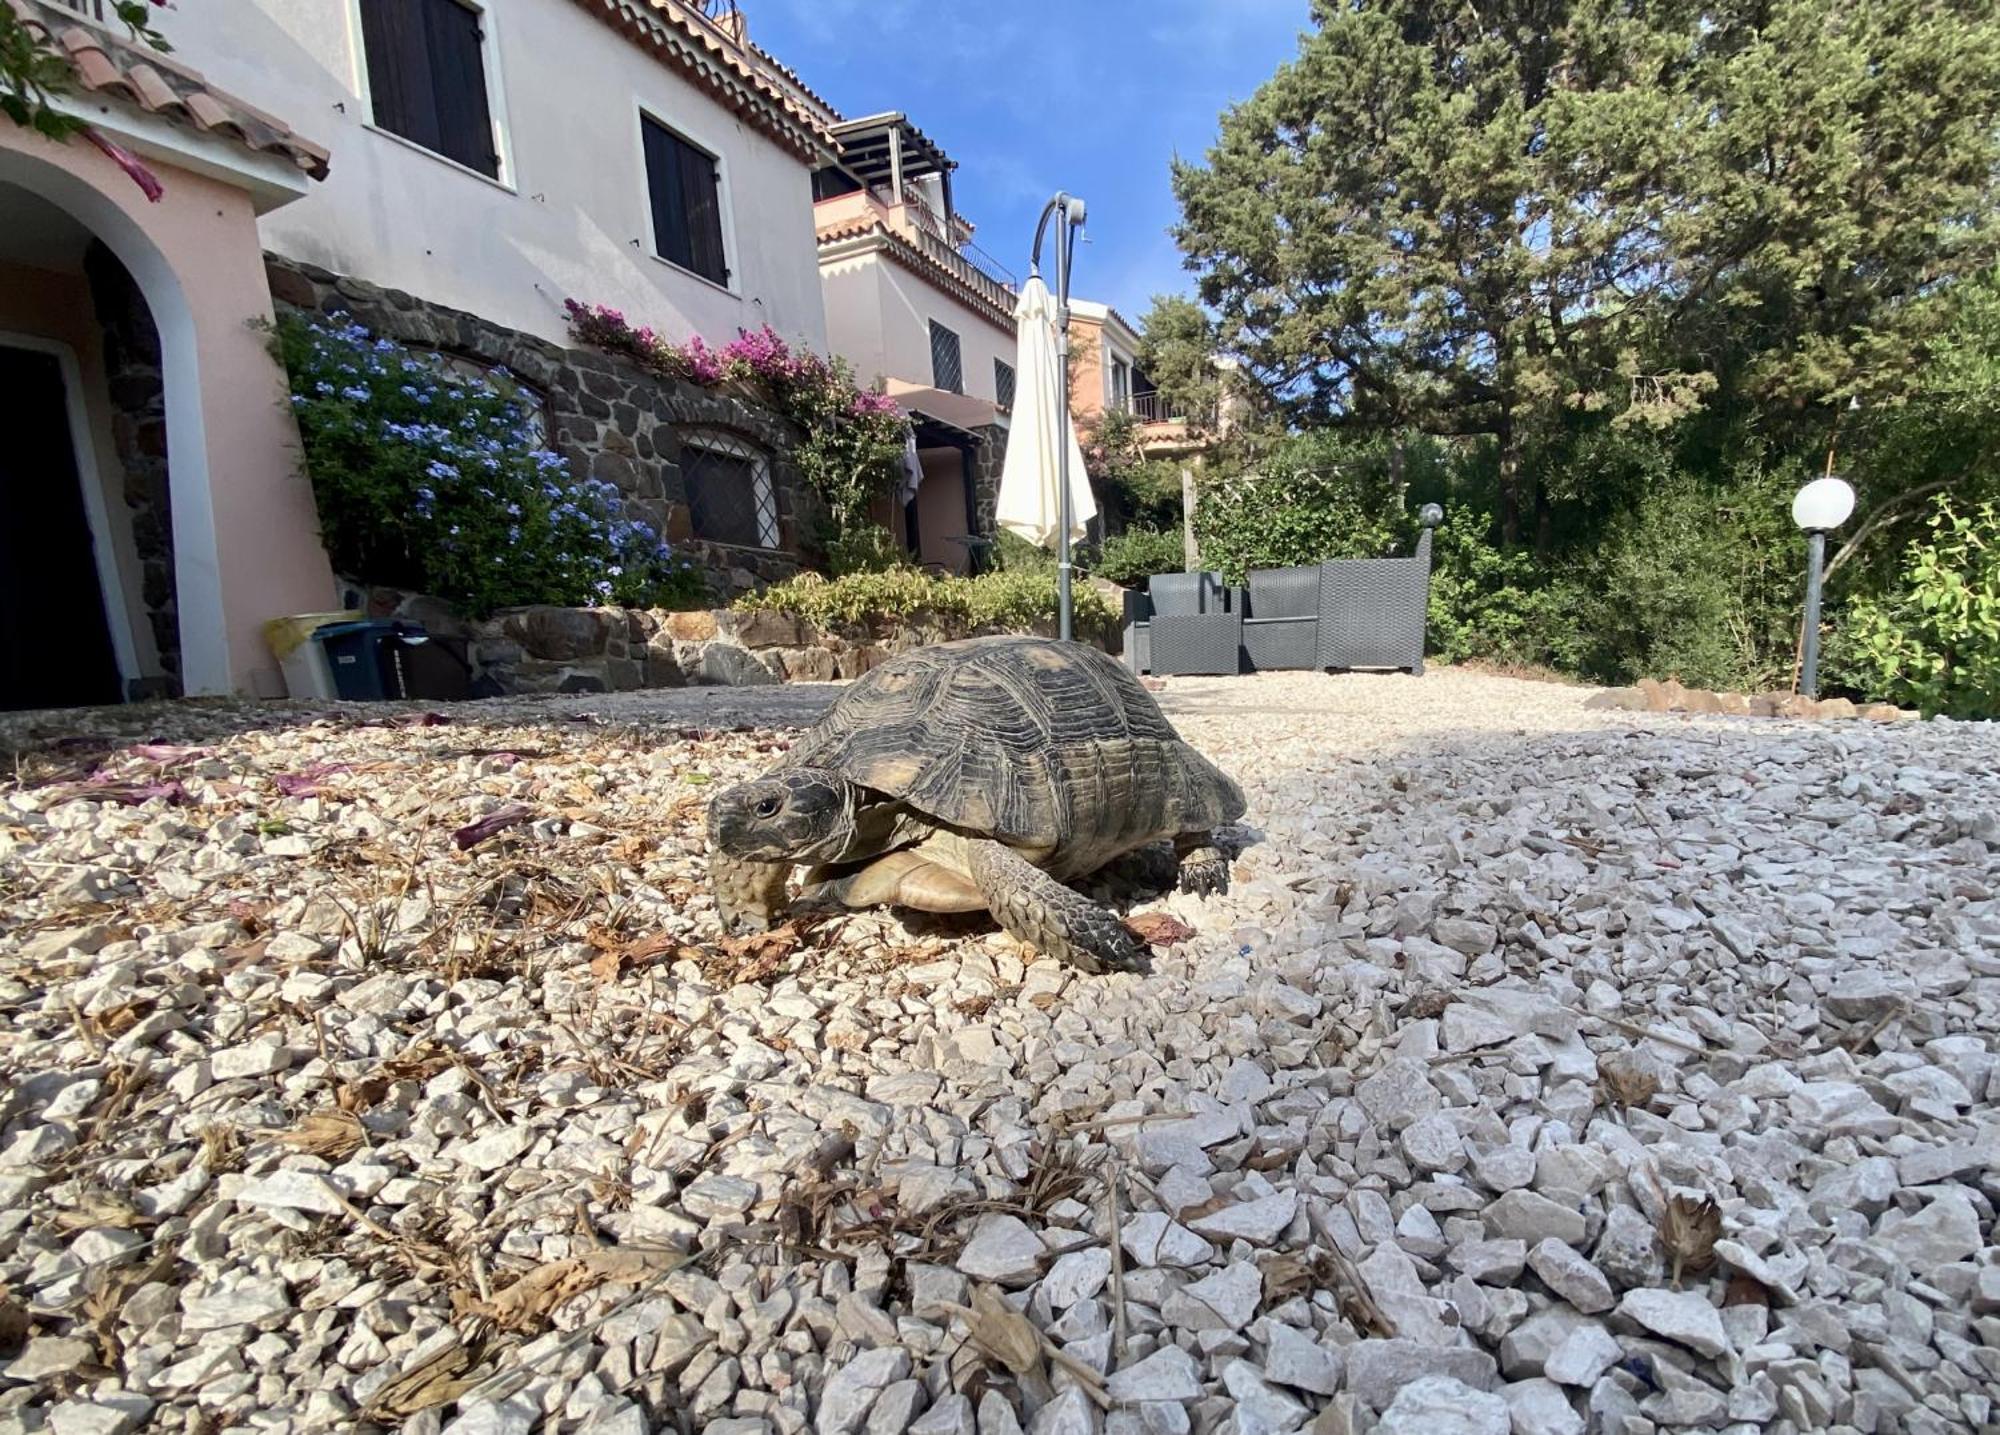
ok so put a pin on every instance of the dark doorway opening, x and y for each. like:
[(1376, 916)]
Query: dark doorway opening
[(55, 643)]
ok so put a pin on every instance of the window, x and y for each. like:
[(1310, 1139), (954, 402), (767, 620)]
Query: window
[(1003, 383), (1121, 386), (729, 493), (685, 186), (427, 78), (947, 368)]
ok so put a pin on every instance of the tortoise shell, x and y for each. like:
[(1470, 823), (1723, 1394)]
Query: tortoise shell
[(1051, 747)]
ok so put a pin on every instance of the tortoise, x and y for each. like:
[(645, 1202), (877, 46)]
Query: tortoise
[(977, 775)]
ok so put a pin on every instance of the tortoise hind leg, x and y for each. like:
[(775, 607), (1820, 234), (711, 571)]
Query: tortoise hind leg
[(1038, 910), (1204, 870)]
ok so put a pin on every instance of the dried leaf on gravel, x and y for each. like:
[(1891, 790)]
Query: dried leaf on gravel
[(1624, 1084), (474, 833), (439, 1380), (1689, 1231), (99, 1209), (526, 1304), (332, 1133), (1425, 1005), (616, 957), (1158, 929), (1001, 1331)]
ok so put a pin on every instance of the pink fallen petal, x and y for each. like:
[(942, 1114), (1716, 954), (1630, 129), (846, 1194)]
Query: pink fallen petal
[(308, 782), (474, 833), (149, 185)]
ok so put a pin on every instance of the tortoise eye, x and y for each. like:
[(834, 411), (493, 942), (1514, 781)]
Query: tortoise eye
[(768, 807)]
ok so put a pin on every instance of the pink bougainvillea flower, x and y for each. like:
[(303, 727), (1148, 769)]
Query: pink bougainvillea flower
[(474, 833), (148, 184)]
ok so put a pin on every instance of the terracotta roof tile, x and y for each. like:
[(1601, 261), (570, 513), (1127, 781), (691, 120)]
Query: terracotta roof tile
[(109, 64), (694, 46)]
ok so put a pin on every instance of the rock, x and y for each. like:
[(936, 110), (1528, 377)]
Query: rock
[(1155, 1239), (1540, 1407), (1525, 1216), (1440, 1405), (849, 1392), (1526, 1349), (1004, 1250), (558, 634), (1474, 939), (47, 1356), (1377, 1369), (112, 1414), (1260, 1409), (1169, 1373), (951, 1415), (1433, 1143), (1628, 1249), (501, 1146), (1070, 1413), (248, 1302), (291, 1191), (1259, 1222), (1294, 1358), (1398, 1094), (1570, 1276), (1866, 994), (1468, 1028), (1076, 1276), (1684, 1317), (718, 1198), (1944, 1231), (1584, 1354), (1226, 1300)]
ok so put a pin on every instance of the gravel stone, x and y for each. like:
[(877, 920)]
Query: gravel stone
[(1685, 1317), (1458, 905), (1440, 1405)]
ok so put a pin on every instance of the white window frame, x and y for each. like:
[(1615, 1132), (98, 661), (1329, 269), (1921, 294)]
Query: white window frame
[(732, 257), (764, 495), (496, 93)]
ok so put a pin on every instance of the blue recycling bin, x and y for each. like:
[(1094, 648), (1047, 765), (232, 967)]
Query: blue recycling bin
[(361, 656)]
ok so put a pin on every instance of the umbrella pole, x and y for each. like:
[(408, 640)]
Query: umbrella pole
[(1065, 620), (1068, 212)]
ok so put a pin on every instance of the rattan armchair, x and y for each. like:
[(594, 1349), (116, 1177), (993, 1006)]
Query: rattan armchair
[(1372, 610)]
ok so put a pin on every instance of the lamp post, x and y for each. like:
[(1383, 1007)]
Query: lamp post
[(1818, 508), (1068, 212)]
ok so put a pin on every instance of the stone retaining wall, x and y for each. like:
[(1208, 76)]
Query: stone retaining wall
[(608, 417), (586, 650)]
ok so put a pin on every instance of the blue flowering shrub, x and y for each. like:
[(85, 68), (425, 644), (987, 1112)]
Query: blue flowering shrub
[(429, 480)]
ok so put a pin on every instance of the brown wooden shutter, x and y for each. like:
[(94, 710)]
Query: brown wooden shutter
[(684, 186), (458, 80), (427, 78)]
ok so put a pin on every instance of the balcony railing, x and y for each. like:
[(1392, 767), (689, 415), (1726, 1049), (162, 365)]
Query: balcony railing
[(964, 269), (1156, 408), (96, 10)]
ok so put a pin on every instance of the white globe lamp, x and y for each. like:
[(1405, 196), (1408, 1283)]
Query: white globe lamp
[(1818, 508)]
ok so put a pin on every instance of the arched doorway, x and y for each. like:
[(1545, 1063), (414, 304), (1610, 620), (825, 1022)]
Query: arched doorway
[(204, 526)]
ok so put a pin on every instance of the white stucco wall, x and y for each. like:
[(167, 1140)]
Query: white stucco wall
[(878, 317), (570, 217)]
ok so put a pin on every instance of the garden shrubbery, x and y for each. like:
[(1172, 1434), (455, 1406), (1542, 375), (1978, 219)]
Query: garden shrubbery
[(428, 480), (1012, 601)]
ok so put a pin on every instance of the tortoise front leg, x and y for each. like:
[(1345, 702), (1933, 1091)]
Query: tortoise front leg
[(1204, 870), (748, 895), (1053, 919)]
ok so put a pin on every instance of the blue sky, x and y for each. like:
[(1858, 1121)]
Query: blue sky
[(1125, 85)]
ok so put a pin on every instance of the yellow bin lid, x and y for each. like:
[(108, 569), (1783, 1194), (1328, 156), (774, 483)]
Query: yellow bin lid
[(285, 634)]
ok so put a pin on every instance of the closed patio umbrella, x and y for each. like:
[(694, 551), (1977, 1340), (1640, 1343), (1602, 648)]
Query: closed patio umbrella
[(1029, 502)]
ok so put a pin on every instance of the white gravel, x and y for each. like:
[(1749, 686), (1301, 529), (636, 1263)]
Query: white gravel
[(313, 1121)]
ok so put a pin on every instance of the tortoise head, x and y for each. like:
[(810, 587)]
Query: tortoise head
[(803, 814)]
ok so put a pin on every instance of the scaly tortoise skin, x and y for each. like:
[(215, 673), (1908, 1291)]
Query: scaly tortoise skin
[(978, 775)]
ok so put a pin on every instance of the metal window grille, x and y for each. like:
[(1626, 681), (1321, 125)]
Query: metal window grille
[(729, 492), (947, 366), (89, 9), (534, 408), (1003, 383)]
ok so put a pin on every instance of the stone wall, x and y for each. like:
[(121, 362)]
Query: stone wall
[(610, 419), (623, 649), (547, 649), (987, 463), (132, 374)]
